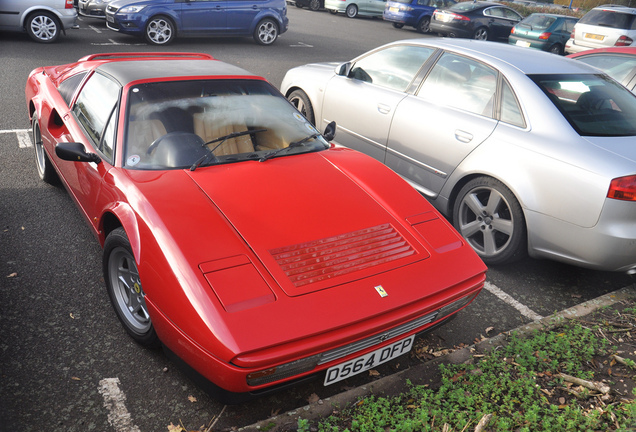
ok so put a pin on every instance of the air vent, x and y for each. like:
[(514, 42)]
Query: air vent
[(316, 261)]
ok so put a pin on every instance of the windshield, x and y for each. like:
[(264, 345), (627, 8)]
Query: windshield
[(595, 105), (188, 124)]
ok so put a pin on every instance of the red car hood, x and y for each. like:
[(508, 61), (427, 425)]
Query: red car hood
[(301, 220)]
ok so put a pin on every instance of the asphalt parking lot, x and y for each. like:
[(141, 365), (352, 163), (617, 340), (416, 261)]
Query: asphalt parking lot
[(67, 365)]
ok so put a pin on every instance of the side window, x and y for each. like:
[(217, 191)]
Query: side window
[(423, 2), (510, 14), (95, 109), (510, 109), (461, 83), (494, 11), (394, 67), (69, 85)]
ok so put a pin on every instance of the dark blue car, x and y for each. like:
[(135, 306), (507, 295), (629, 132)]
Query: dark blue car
[(160, 21), (414, 13)]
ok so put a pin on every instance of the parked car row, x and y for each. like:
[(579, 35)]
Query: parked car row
[(158, 21), (522, 151)]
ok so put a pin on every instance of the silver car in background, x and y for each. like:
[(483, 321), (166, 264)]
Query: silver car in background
[(43, 20), (93, 8), (525, 151)]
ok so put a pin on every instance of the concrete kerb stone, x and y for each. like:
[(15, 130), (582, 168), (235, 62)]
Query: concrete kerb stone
[(426, 373)]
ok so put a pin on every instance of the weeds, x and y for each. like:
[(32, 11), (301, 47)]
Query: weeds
[(539, 383)]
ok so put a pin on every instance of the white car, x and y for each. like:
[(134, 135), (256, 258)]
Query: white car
[(43, 20), (525, 151), (603, 27), (353, 8)]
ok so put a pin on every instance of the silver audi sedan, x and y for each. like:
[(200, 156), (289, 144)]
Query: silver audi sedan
[(526, 152)]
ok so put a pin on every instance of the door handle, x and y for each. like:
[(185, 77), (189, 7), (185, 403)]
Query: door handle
[(463, 136), (383, 108)]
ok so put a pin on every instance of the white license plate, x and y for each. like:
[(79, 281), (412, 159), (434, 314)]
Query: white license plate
[(110, 19), (523, 43), (368, 361)]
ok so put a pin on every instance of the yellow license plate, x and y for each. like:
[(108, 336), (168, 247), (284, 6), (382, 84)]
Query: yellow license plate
[(394, 9), (594, 36)]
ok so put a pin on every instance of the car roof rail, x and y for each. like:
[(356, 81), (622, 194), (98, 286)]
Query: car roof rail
[(146, 56)]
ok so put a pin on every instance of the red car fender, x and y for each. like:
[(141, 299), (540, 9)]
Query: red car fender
[(126, 216)]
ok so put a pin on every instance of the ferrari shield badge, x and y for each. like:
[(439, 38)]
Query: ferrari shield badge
[(381, 291)]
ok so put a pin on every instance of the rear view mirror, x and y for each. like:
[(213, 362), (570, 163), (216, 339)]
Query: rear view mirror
[(330, 131)]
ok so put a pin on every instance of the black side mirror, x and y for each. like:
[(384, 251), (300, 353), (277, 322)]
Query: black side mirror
[(75, 152), (330, 131)]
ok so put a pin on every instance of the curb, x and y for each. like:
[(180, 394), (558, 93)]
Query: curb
[(426, 372)]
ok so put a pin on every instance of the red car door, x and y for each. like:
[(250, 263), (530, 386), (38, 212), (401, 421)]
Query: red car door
[(91, 122)]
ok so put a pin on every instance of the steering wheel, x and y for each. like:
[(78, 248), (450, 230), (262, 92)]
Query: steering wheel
[(159, 140)]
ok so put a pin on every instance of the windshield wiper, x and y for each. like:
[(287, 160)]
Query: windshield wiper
[(291, 145), (220, 141)]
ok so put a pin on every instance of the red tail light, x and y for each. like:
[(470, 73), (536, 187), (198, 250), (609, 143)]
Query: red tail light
[(545, 36), (624, 41), (623, 188), (69, 4), (460, 17), (512, 30)]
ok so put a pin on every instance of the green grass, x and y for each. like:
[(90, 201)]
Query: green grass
[(519, 384)]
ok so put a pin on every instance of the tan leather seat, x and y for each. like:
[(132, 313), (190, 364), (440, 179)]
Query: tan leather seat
[(142, 133), (208, 129)]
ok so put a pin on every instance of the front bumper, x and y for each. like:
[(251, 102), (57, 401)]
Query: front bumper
[(126, 24), (264, 372)]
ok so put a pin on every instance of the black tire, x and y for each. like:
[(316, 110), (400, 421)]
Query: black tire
[(43, 27), (45, 167), (300, 100), (333, 12), (556, 49), (314, 5), (124, 289), (352, 11), (266, 32), (398, 25), (481, 33), (299, 6), (424, 26), (160, 30), (489, 217)]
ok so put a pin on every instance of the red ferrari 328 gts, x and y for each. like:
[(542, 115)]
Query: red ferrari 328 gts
[(233, 233)]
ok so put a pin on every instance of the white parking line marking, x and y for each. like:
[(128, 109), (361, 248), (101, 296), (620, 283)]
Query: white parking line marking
[(303, 45), (24, 140), (524, 310), (95, 29), (114, 401), (112, 42)]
